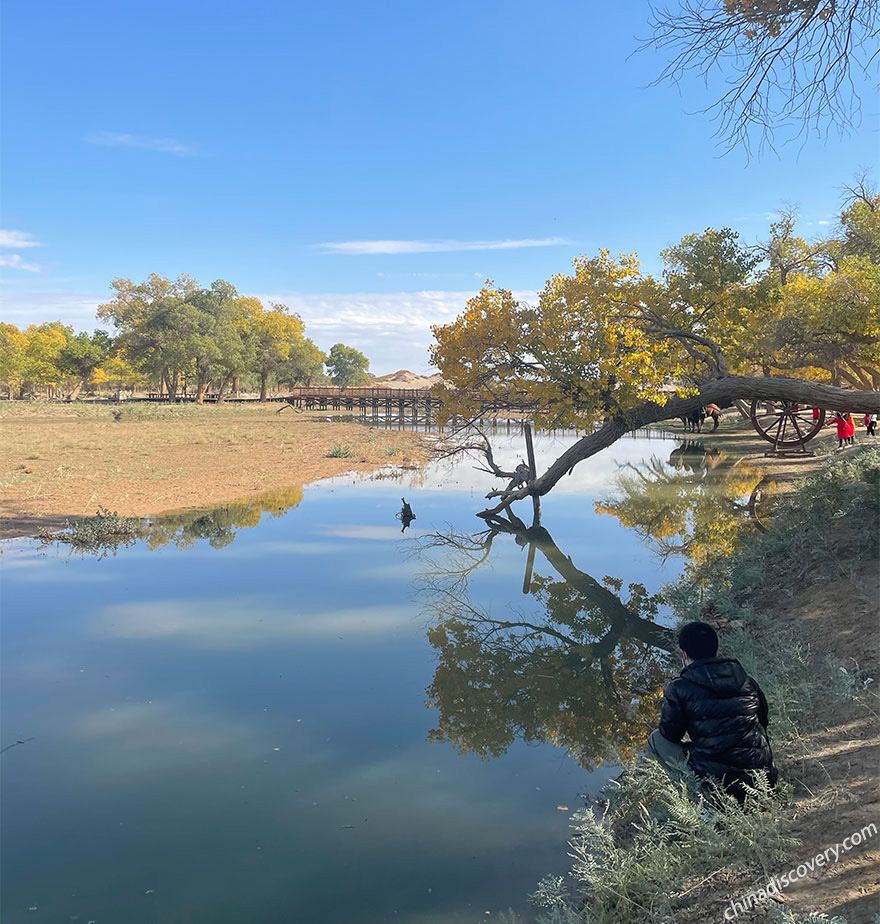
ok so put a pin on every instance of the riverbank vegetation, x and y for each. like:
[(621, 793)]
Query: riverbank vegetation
[(651, 855), (60, 462), (174, 337)]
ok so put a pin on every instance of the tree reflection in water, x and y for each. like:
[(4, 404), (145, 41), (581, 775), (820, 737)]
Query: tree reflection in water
[(586, 675), (694, 504), (219, 525)]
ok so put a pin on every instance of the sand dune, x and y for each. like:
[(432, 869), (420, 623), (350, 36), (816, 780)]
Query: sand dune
[(403, 378)]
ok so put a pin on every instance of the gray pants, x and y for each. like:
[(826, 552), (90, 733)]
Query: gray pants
[(671, 755)]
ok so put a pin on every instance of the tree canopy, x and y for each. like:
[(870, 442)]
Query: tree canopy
[(347, 366), (176, 335)]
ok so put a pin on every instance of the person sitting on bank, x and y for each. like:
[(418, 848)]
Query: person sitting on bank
[(721, 709)]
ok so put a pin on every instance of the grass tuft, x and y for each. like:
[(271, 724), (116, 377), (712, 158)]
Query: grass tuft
[(341, 452)]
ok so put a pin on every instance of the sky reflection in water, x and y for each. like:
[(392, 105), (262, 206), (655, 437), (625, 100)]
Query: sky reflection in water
[(240, 733)]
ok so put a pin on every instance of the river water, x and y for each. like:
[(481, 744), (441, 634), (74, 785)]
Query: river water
[(290, 710)]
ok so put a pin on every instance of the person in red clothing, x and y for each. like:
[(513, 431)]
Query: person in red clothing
[(842, 427), (850, 430)]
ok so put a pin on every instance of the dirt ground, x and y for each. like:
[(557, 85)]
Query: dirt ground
[(736, 436), (59, 462), (841, 620)]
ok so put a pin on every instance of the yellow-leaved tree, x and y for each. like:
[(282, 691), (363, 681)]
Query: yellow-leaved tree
[(609, 347)]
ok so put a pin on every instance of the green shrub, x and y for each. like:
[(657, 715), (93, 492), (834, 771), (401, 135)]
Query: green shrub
[(341, 452), (103, 532), (639, 860)]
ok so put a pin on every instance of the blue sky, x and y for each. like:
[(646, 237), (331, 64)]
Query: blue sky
[(283, 145)]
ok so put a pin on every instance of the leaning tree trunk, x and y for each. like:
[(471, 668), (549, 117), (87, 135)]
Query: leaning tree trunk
[(721, 391), (221, 394)]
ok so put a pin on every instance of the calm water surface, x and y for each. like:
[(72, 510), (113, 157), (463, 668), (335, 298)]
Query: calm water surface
[(254, 717)]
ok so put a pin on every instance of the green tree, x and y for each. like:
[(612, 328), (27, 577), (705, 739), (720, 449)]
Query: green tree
[(155, 325), (81, 356), (347, 366), (305, 362)]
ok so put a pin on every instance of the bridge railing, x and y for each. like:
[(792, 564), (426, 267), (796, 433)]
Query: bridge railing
[(331, 391)]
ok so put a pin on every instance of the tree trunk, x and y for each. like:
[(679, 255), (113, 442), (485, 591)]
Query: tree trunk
[(75, 391), (221, 394), (236, 382), (264, 378), (720, 391)]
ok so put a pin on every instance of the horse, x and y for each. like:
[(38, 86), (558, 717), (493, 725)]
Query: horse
[(693, 422)]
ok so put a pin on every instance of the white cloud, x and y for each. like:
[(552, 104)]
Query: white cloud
[(10, 238), (221, 624), (392, 328), (399, 247), (145, 142), (24, 308), (15, 261)]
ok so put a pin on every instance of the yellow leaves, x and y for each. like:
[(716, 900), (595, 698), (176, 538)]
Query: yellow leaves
[(580, 354)]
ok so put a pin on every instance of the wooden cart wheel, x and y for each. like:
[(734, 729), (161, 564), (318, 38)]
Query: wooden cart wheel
[(785, 423)]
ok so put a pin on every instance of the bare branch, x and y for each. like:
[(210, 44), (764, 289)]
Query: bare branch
[(788, 64)]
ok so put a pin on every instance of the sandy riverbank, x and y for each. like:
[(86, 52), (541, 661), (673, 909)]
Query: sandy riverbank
[(63, 461)]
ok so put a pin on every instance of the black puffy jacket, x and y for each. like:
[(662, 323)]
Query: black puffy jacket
[(724, 712)]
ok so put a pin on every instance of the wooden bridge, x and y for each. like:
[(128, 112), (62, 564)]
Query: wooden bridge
[(401, 402), (385, 400)]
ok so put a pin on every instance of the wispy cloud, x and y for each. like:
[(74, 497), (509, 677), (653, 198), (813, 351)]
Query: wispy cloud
[(15, 261), (361, 248), (145, 142), (9, 238)]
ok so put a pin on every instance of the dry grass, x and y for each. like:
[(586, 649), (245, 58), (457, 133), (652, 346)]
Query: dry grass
[(61, 461)]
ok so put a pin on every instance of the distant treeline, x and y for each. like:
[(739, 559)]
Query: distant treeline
[(174, 337)]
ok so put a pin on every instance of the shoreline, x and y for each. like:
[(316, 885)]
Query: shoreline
[(59, 463)]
